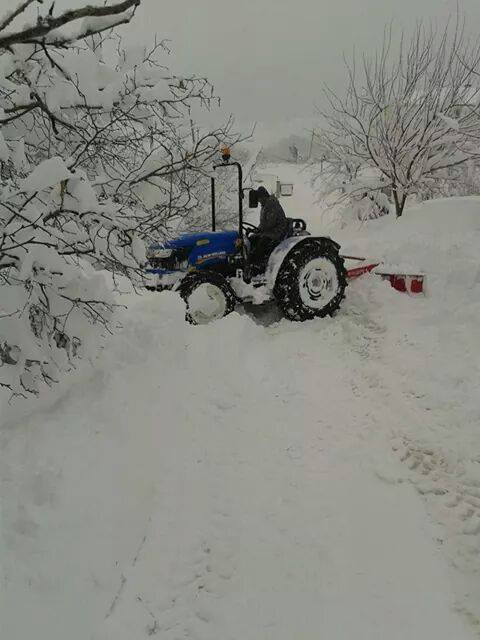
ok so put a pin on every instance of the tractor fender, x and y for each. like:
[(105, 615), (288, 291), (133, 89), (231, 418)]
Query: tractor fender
[(281, 252)]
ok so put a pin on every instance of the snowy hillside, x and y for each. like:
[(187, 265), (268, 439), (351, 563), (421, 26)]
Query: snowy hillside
[(264, 479)]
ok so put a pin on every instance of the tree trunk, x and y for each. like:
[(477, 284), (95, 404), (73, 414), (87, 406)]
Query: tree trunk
[(399, 202), (402, 206)]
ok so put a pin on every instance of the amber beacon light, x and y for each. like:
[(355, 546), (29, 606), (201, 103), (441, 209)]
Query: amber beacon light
[(226, 154)]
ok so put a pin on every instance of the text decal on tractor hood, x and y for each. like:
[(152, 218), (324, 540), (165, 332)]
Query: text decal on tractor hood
[(211, 256)]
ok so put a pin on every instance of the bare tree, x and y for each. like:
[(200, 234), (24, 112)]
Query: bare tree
[(406, 115)]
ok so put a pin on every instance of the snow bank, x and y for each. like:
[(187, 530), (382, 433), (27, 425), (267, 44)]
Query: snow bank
[(428, 365), (433, 341), (422, 356), (439, 238)]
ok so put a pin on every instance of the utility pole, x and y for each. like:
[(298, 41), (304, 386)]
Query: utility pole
[(311, 145)]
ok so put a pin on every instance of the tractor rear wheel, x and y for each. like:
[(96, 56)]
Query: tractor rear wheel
[(208, 297), (311, 281)]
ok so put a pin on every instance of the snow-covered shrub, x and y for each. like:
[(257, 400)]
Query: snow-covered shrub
[(357, 192), (98, 150)]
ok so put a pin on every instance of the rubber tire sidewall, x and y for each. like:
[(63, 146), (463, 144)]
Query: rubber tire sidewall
[(287, 291), (193, 280)]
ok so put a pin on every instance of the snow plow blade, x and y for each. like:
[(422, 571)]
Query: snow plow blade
[(411, 283)]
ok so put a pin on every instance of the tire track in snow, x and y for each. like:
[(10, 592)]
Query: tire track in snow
[(446, 477), (447, 481)]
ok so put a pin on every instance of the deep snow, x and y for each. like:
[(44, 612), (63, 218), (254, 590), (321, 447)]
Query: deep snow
[(247, 480)]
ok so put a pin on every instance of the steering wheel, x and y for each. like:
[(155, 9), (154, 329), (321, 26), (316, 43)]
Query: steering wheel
[(249, 228)]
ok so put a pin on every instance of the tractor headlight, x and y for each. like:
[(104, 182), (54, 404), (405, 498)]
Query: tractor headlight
[(171, 259), (161, 254)]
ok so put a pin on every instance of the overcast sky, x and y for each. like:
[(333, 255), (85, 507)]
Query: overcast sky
[(269, 58)]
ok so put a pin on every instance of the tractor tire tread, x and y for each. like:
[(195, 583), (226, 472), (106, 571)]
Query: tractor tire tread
[(286, 290)]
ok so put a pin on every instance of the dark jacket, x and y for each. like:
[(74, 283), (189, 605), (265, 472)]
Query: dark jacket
[(273, 221)]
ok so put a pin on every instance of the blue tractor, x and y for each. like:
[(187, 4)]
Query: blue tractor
[(305, 275)]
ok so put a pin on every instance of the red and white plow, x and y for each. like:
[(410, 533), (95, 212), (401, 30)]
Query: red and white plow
[(411, 283)]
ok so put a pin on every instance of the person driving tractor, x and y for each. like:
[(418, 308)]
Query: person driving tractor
[(270, 232)]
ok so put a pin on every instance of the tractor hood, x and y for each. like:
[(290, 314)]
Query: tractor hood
[(197, 250), (202, 239)]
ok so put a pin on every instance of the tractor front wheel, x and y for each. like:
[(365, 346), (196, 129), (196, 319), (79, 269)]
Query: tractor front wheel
[(208, 297), (311, 281)]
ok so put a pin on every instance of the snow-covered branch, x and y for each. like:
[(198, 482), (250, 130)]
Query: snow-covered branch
[(10, 16), (96, 19), (95, 159)]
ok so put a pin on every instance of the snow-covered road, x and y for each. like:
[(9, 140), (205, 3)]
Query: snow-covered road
[(229, 481), (248, 481)]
